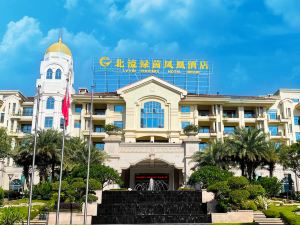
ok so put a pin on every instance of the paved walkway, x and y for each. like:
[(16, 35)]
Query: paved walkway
[(260, 218)]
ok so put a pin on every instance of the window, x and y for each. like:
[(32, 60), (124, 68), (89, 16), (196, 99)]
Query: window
[(249, 114), (229, 130), (272, 114), (49, 74), (119, 108), (295, 100), (273, 130), (77, 124), (229, 114), (78, 108), (119, 124), (204, 130), (98, 128), (152, 115), (184, 124), (297, 136), (99, 112), (185, 109), (27, 111), (289, 113), (2, 117), (203, 145), (26, 128), (61, 123), (297, 120), (14, 107), (99, 146), (50, 103), (203, 112), (48, 122), (58, 74)]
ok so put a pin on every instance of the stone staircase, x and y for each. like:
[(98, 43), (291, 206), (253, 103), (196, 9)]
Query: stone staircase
[(260, 218)]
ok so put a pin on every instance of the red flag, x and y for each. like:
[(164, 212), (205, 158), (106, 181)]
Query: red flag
[(66, 106)]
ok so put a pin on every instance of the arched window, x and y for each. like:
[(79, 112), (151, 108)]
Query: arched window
[(152, 115), (49, 74), (58, 74), (50, 103)]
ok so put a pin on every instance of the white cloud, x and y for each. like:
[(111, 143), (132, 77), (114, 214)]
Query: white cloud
[(70, 4), (289, 10)]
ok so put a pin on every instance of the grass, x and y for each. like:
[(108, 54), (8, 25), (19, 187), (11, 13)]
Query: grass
[(287, 213), (235, 223), (23, 210), (24, 201)]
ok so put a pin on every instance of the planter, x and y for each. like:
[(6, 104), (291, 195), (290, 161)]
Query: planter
[(191, 133), (114, 132)]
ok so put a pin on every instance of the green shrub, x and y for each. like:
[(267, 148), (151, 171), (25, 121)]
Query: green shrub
[(238, 182), (249, 204), (111, 128), (1, 196), (219, 188), (262, 202), (190, 129), (186, 189), (11, 215), (271, 185), (255, 190), (42, 191), (238, 196), (209, 175), (223, 205), (91, 198)]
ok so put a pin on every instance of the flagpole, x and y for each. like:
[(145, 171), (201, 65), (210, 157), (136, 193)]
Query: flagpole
[(62, 158), (34, 153), (89, 157)]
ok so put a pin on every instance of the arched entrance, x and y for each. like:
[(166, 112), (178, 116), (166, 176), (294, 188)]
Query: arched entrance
[(165, 176)]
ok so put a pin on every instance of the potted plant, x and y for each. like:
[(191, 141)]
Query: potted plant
[(191, 130), (112, 129)]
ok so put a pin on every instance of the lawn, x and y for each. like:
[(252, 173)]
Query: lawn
[(287, 213), (235, 224), (24, 211)]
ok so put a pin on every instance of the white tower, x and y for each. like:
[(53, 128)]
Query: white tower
[(56, 68)]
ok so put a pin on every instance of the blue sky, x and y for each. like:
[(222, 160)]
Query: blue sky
[(254, 45)]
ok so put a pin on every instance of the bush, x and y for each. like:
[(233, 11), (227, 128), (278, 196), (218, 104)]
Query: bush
[(219, 188), (1, 196), (255, 190), (190, 129), (111, 128), (186, 189), (262, 202), (249, 204), (223, 205), (209, 175), (42, 191), (11, 215), (238, 196), (91, 198), (271, 185), (238, 182)]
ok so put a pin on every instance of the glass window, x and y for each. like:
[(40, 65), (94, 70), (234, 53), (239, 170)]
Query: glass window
[(118, 124), (203, 112), (204, 129), (203, 145), (2, 117), (78, 108), (272, 114), (185, 109), (98, 128), (50, 103), (297, 136), (58, 74), (48, 122), (99, 112), (296, 100), (249, 114), (119, 108), (229, 130), (77, 124), (229, 114), (184, 124), (26, 128), (273, 130), (297, 120), (27, 111), (99, 146), (152, 115), (49, 74), (61, 123)]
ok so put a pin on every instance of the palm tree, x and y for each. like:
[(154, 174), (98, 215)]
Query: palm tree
[(5, 143), (248, 146), (272, 156), (215, 154)]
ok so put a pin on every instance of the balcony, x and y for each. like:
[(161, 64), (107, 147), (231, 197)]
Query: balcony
[(98, 114), (205, 115), (206, 133), (231, 116)]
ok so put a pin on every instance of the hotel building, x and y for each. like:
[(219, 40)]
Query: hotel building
[(152, 114)]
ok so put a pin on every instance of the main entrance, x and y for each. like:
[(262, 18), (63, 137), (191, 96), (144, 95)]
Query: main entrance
[(163, 176)]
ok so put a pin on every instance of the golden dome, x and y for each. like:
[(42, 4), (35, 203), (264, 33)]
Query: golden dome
[(59, 47)]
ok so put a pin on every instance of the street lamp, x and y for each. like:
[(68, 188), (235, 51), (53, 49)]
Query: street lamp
[(10, 176)]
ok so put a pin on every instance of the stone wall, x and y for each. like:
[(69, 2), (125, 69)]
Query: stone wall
[(241, 216)]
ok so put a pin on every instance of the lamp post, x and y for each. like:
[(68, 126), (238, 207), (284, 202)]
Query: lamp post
[(10, 176)]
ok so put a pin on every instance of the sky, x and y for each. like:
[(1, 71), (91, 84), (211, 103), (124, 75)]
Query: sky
[(254, 45)]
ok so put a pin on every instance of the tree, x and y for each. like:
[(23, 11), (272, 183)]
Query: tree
[(248, 147), (272, 185), (290, 158), (209, 175), (216, 155), (5, 143), (272, 156), (104, 174)]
